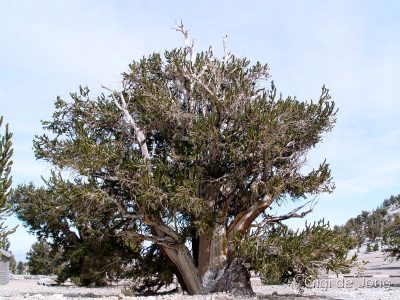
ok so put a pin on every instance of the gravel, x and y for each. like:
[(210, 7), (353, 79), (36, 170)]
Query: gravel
[(360, 288)]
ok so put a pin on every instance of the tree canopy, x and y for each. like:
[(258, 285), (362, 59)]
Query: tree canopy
[(42, 260), (6, 152), (188, 156), (83, 238), (379, 224), (392, 238)]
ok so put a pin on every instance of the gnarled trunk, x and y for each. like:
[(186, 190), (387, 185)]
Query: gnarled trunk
[(233, 278), (186, 271), (217, 273), (213, 250), (214, 273), (213, 268)]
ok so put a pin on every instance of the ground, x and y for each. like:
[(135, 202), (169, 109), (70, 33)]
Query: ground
[(378, 279), (349, 288)]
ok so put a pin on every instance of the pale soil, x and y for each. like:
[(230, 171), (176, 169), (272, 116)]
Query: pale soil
[(377, 264), (356, 289), (378, 279)]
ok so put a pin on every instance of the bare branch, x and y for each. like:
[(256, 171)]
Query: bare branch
[(121, 103), (226, 54), (293, 214), (163, 241), (160, 225), (243, 221), (181, 28), (268, 219), (204, 86)]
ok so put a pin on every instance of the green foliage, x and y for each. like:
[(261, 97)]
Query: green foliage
[(6, 152), (220, 140), (4, 243), (392, 237), (282, 254), (378, 223), (392, 201), (42, 260), (13, 265), (376, 247), (149, 273), (82, 231), (370, 225), (21, 268), (194, 140)]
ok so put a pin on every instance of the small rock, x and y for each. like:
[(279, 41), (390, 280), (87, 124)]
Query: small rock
[(47, 281)]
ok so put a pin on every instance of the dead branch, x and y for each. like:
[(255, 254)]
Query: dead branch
[(121, 103), (181, 28)]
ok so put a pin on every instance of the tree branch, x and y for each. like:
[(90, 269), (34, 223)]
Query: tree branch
[(185, 33), (163, 241), (226, 54), (276, 219), (120, 102), (243, 221)]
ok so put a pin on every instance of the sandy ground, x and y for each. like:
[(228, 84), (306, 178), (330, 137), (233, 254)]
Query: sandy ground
[(377, 263), (328, 289), (377, 279)]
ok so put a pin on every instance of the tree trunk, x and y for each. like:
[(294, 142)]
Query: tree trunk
[(234, 278), (186, 271), (212, 268), (212, 250), (218, 274), (214, 272)]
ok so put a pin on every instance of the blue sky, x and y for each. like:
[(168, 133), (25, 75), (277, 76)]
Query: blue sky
[(49, 48)]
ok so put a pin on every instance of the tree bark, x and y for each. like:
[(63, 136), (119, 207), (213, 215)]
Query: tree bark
[(241, 224), (217, 273), (213, 250), (185, 269), (203, 254), (234, 278)]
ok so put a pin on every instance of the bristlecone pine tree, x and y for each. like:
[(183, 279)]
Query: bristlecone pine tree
[(392, 238), (6, 152), (4, 243), (13, 265), (41, 260), (21, 268), (79, 227), (190, 154)]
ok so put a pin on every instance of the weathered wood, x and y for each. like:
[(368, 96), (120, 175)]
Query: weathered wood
[(233, 278), (180, 257), (241, 224), (203, 254), (213, 250)]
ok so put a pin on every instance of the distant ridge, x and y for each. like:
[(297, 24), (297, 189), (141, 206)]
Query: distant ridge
[(371, 226)]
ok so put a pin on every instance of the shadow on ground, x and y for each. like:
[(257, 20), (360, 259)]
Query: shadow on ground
[(295, 296)]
